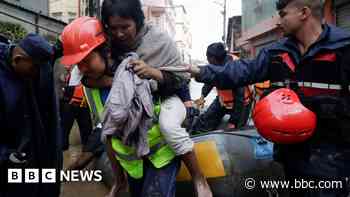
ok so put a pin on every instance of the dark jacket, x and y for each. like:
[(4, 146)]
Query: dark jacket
[(29, 123), (268, 67), (324, 63)]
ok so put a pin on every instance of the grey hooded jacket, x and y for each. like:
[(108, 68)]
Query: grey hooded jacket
[(129, 108)]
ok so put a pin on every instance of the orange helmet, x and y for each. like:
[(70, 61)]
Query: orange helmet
[(281, 118), (79, 38)]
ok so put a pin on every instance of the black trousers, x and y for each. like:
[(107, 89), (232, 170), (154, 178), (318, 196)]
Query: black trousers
[(71, 112), (325, 167), (211, 119)]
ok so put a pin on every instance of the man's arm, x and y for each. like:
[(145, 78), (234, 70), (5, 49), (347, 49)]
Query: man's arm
[(236, 73)]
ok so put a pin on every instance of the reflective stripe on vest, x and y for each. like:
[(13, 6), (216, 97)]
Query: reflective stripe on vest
[(312, 85), (312, 88), (160, 153), (78, 95), (94, 100), (288, 61)]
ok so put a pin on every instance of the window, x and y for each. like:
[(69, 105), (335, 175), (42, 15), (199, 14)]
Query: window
[(72, 14), (56, 14)]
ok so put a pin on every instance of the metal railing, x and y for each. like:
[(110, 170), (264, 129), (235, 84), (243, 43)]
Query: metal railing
[(36, 25)]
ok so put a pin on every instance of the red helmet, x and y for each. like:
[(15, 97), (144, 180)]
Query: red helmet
[(79, 38), (281, 118)]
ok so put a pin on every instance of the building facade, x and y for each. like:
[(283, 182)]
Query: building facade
[(340, 15), (40, 6), (259, 20), (161, 13), (68, 10), (171, 19), (234, 32), (183, 36), (64, 10), (90, 7)]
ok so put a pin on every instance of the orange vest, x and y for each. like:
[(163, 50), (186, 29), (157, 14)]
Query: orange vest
[(227, 97), (78, 96)]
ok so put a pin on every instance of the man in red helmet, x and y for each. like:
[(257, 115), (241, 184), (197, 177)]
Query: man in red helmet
[(313, 60), (84, 44)]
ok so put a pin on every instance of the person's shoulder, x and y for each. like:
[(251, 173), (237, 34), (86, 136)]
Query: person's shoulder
[(337, 34), (280, 45)]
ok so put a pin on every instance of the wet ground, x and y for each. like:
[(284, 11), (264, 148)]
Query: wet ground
[(79, 189)]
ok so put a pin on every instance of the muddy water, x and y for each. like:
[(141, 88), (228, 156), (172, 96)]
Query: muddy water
[(79, 189)]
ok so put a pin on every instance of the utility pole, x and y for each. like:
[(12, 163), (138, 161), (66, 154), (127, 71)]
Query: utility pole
[(223, 5), (224, 25), (91, 7)]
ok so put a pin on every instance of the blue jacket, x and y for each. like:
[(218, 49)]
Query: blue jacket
[(244, 72), (29, 123)]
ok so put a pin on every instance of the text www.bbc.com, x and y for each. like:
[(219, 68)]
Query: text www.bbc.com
[(296, 184)]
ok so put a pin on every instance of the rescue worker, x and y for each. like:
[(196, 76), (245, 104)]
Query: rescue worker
[(29, 117), (96, 65), (313, 60), (75, 107), (228, 101)]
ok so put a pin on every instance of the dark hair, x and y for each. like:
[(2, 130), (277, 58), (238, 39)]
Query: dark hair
[(217, 50), (281, 4), (103, 50), (123, 8), (314, 5)]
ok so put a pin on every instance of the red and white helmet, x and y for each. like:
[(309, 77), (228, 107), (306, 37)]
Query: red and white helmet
[(281, 118)]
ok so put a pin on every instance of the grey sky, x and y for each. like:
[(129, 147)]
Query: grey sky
[(206, 22)]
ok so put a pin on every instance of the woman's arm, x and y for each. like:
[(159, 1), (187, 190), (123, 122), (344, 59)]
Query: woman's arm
[(168, 82)]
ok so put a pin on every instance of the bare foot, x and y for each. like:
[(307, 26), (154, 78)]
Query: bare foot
[(202, 188)]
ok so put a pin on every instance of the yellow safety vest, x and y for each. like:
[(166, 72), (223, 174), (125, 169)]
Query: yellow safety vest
[(160, 152)]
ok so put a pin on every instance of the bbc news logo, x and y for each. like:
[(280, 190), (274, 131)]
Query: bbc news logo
[(50, 176)]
